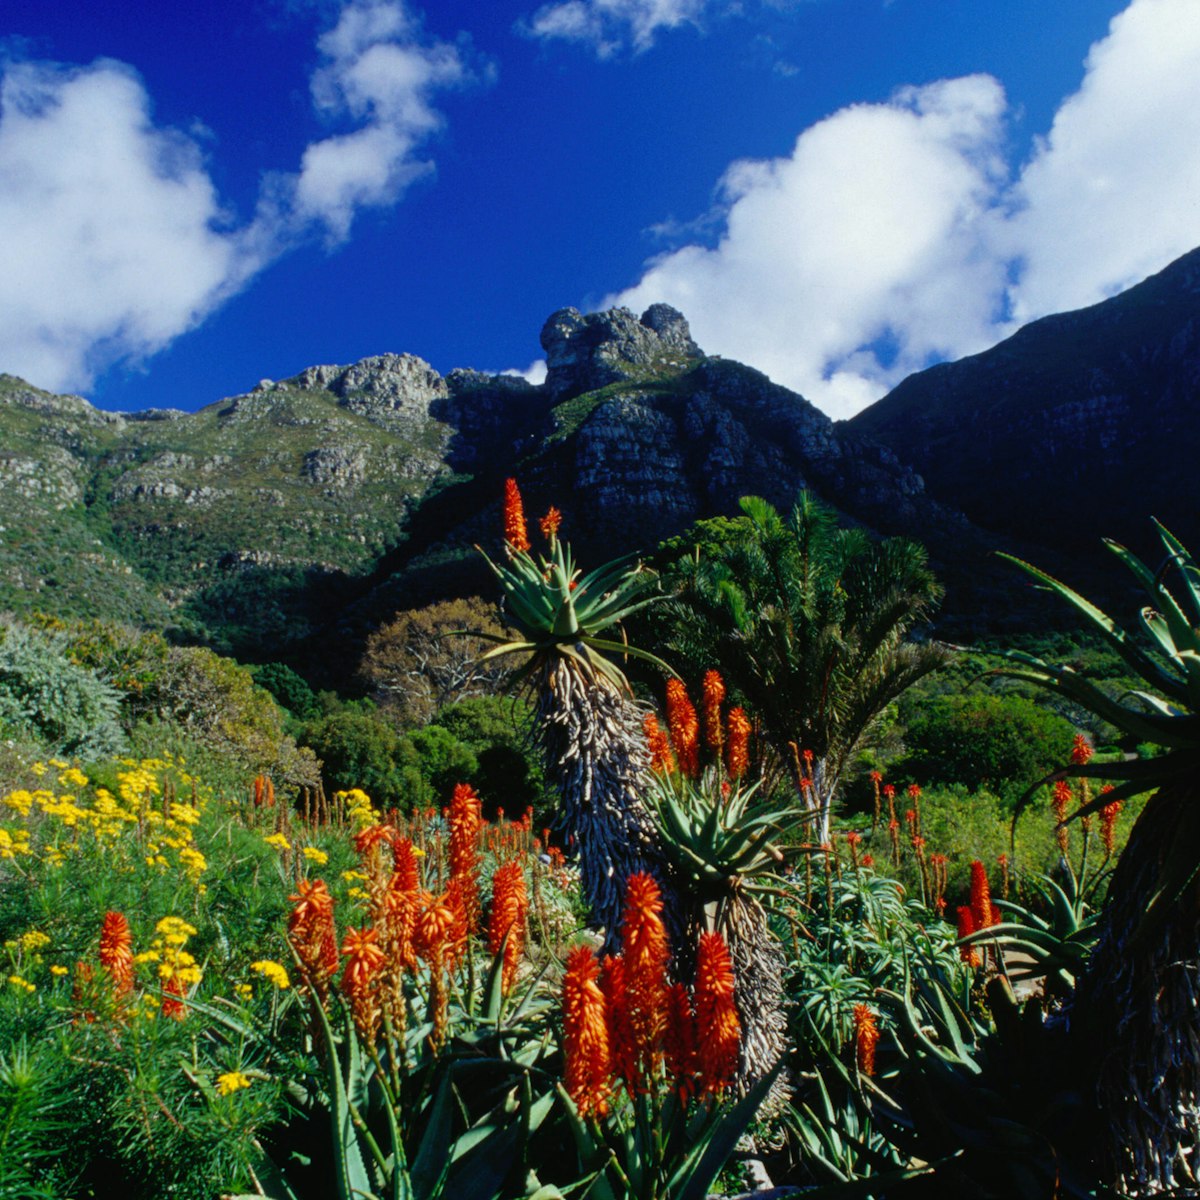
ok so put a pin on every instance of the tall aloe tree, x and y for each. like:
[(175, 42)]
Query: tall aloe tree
[(809, 623), (1136, 1011), (588, 726)]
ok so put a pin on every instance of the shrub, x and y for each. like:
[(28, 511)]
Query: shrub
[(44, 695)]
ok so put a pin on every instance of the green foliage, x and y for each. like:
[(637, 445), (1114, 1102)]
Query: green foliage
[(999, 743), (290, 689), (808, 623), (359, 748), (44, 695)]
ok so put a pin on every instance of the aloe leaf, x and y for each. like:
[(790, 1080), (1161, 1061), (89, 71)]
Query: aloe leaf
[(433, 1162)]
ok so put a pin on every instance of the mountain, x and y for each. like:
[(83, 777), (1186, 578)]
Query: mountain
[(304, 511), (1080, 425)]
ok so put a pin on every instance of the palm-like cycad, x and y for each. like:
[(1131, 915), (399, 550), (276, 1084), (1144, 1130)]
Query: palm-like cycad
[(589, 729), (808, 622), (1136, 1013)]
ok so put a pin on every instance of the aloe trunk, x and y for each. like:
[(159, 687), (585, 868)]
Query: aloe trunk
[(1137, 1016), (596, 757)]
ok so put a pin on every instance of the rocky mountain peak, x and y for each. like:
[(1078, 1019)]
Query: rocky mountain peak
[(588, 352), (383, 385)]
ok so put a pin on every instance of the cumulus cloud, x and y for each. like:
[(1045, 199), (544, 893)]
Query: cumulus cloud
[(892, 236), (115, 239), (609, 26)]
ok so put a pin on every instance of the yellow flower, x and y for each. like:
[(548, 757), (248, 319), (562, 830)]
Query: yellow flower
[(231, 1082), (351, 876), (316, 856), (272, 971), (35, 939), (20, 801), (38, 768), (57, 970), (244, 991), (278, 841), (22, 984), (73, 777)]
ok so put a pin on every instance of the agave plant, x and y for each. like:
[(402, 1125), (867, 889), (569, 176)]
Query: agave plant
[(1135, 1011), (727, 848), (589, 729)]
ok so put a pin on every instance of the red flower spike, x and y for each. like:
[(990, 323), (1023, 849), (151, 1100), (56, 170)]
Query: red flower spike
[(737, 745), (679, 1044), (514, 517), (116, 951), (662, 761), (966, 927), (586, 1057), (714, 696), (510, 907), (981, 897), (866, 1038), (718, 1030), (684, 726)]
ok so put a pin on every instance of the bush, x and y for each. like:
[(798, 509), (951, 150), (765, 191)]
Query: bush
[(999, 743), (46, 696)]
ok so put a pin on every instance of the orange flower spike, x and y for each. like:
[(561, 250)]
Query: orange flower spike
[(866, 1038), (514, 517), (718, 1030), (364, 960), (612, 984), (685, 729), (1108, 821), (173, 994), (662, 761), (981, 897), (1061, 799), (737, 746), (714, 696), (586, 1056), (646, 953), (510, 908), (550, 523), (679, 1044), (1081, 750), (966, 927), (434, 938), (312, 932), (116, 951), (466, 822)]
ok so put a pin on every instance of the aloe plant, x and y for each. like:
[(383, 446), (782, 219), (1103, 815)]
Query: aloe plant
[(1135, 1013), (588, 727)]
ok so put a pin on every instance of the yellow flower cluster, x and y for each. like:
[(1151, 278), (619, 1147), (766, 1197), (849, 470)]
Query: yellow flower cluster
[(130, 822), (359, 808), (317, 857), (272, 971), (167, 949), (231, 1082), (278, 841)]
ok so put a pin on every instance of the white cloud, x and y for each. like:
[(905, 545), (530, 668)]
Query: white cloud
[(609, 26), (535, 373), (115, 240), (892, 236)]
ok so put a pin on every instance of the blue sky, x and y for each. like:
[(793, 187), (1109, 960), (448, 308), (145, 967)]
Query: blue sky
[(193, 197)]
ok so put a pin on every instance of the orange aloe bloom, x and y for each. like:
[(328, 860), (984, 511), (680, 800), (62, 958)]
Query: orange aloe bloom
[(714, 697), (364, 960), (685, 729), (173, 994), (1062, 798), (372, 836), (662, 760), (400, 904), (737, 747), (312, 932), (116, 951), (1108, 820), (866, 1038), (466, 821), (510, 907), (966, 927), (436, 939), (718, 1030), (550, 522), (587, 1062), (612, 984), (646, 954), (514, 517), (981, 897), (853, 838), (1081, 750), (679, 1044)]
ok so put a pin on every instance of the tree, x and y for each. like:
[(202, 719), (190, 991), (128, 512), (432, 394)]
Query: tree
[(585, 721), (1135, 1019), (809, 623)]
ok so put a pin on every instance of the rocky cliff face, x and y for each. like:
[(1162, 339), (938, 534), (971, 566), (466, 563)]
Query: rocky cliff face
[(260, 519), (1079, 426)]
